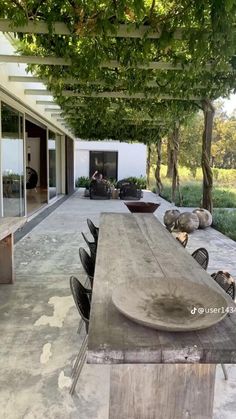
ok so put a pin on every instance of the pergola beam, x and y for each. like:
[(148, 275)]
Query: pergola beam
[(45, 102), (50, 60), (39, 92), (124, 95), (33, 59), (59, 28), (25, 79), (74, 81), (117, 94), (53, 110)]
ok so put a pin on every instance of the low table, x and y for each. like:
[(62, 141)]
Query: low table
[(154, 374), (8, 226)]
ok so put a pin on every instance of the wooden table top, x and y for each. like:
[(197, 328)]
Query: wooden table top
[(138, 246), (9, 225)]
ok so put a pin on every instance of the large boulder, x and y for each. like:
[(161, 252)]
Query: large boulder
[(171, 218), (188, 221), (204, 216)]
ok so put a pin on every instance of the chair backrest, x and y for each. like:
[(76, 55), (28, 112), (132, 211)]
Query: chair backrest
[(81, 299), (92, 246), (31, 178), (202, 257), (182, 238), (130, 191), (226, 281), (100, 188), (87, 262), (93, 229)]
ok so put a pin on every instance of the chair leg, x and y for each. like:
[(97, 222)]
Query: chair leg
[(86, 282), (72, 389), (79, 356), (81, 323), (224, 371)]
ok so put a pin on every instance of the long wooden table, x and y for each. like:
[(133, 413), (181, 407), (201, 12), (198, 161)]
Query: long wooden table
[(8, 225), (154, 374)]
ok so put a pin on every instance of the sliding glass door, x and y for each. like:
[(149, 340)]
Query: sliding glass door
[(12, 159), (104, 162)]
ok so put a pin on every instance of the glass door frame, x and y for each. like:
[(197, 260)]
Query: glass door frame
[(60, 140), (22, 114), (1, 185)]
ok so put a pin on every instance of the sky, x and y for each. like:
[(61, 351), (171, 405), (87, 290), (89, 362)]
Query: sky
[(230, 104)]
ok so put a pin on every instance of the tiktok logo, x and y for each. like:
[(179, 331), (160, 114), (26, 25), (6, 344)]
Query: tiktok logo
[(193, 311)]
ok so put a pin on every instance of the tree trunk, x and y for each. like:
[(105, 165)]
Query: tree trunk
[(158, 168), (148, 165), (169, 172), (175, 172), (208, 111)]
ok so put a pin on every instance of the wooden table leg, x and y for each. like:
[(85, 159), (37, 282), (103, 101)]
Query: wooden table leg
[(166, 391), (7, 260)]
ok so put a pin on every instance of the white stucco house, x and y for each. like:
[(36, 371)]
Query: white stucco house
[(114, 159)]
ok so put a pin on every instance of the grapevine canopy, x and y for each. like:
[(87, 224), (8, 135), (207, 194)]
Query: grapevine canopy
[(132, 67)]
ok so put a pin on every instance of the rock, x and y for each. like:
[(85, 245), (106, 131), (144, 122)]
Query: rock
[(204, 216), (188, 221), (171, 217)]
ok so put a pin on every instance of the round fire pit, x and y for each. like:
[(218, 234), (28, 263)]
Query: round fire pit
[(142, 206)]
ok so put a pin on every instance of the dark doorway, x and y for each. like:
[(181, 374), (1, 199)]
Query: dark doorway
[(104, 162), (36, 166), (69, 166)]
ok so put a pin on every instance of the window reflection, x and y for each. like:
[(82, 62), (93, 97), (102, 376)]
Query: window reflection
[(52, 164), (12, 147)]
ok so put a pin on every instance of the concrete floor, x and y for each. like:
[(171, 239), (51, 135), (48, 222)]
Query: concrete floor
[(38, 320)]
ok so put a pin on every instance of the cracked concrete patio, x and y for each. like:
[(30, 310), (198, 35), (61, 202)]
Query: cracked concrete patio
[(38, 319)]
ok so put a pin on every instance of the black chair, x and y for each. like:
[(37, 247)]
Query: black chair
[(81, 297), (227, 282), (31, 178), (130, 191), (93, 229), (92, 247), (100, 189), (88, 264), (182, 238), (202, 257)]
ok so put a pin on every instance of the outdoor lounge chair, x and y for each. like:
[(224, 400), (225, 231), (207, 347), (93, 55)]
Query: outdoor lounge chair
[(100, 189), (227, 282), (130, 191), (202, 257), (88, 264), (82, 301)]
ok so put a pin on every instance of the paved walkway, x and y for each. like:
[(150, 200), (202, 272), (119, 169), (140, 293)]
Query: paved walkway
[(38, 319)]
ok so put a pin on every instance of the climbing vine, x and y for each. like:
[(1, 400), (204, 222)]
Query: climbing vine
[(196, 50)]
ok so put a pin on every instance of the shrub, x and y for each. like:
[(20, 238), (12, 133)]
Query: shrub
[(192, 196), (225, 222), (140, 182), (82, 182)]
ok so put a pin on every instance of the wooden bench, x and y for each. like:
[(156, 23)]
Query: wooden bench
[(8, 226)]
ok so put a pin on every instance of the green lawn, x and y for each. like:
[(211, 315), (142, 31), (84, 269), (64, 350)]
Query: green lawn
[(224, 195)]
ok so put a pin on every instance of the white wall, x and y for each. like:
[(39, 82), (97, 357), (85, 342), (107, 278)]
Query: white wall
[(131, 157)]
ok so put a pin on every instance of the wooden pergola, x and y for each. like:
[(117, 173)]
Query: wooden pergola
[(178, 79)]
